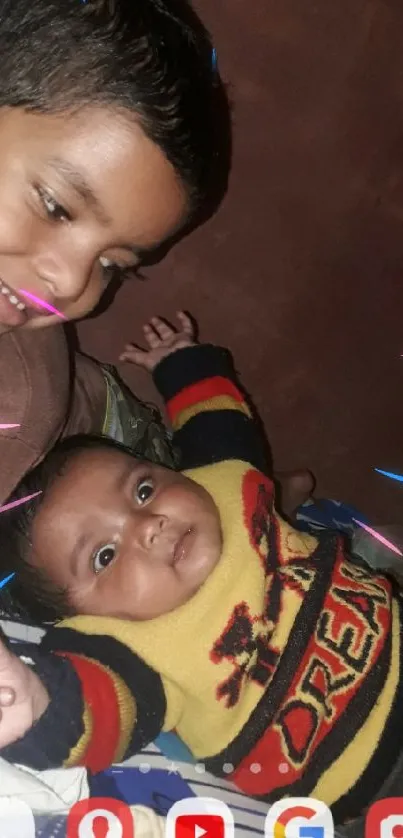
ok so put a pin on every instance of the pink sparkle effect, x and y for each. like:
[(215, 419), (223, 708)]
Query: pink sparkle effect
[(19, 502), (42, 303), (7, 427), (379, 537)]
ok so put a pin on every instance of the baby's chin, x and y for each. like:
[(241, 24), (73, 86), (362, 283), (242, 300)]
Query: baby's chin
[(195, 584)]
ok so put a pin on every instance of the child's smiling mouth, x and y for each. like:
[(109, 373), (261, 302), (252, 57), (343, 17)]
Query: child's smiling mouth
[(14, 310)]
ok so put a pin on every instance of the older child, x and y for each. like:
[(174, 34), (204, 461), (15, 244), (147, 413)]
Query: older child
[(201, 610), (108, 144)]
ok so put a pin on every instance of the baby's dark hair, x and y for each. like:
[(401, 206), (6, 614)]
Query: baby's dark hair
[(31, 596), (150, 58)]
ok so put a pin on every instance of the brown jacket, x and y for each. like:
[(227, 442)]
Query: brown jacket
[(47, 394)]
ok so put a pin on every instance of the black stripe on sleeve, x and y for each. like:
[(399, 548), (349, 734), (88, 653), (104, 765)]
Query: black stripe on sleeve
[(191, 365), (218, 435)]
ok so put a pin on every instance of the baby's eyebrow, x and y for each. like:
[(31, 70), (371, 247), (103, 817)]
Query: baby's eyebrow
[(120, 483), (82, 541)]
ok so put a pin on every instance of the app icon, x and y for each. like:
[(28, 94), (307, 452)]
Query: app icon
[(199, 817), (299, 817), (100, 817), (197, 826), (16, 819), (385, 819)]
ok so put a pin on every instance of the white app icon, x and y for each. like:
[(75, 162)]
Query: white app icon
[(16, 819), (200, 817), (388, 825), (299, 817)]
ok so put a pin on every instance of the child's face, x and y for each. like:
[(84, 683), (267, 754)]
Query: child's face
[(124, 538), (78, 193)]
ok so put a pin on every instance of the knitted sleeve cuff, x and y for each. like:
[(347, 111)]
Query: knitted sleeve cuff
[(48, 743), (187, 366)]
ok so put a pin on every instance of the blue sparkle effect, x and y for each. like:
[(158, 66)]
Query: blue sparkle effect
[(6, 580), (391, 474)]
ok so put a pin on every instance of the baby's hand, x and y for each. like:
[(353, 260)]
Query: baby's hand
[(23, 698), (162, 340)]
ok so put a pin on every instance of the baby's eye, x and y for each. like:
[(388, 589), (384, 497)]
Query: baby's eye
[(104, 557), (144, 490)]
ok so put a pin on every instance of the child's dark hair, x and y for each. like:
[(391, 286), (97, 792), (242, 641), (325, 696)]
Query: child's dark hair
[(31, 595), (152, 58)]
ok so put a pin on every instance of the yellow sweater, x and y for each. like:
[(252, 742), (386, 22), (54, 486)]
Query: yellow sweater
[(288, 657)]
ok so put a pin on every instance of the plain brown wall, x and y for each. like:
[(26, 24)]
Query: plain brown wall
[(301, 271)]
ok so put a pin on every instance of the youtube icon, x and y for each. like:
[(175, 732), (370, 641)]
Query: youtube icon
[(199, 817), (199, 826)]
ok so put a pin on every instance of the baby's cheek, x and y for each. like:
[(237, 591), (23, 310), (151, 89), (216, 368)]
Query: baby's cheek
[(141, 589)]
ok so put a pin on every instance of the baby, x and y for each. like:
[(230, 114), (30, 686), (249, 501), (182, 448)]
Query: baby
[(184, 602)]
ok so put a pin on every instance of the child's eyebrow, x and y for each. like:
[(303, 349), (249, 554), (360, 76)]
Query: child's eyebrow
[(77, 180)]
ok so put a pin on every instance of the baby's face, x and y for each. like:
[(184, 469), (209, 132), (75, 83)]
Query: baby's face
[(124, 538)]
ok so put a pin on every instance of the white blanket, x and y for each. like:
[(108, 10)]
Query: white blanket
[(25, 793), (52, 792)]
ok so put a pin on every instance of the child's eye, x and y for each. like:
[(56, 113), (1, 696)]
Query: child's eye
[(104, 557), (144, 490), (54, 210)]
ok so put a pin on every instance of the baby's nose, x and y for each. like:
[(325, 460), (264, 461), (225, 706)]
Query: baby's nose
[(150, 528)]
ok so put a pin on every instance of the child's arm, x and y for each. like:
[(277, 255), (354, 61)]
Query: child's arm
[(206, 406), (23, 696), (68, 707), (29, 721)]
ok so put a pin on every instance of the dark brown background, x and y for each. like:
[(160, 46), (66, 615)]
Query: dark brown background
[(301, 271)]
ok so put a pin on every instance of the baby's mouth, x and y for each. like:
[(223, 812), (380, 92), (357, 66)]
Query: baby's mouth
[(182, 547)]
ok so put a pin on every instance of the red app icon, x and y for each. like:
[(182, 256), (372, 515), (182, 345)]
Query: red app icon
[(199, 826), (100, 817), (385, 819)]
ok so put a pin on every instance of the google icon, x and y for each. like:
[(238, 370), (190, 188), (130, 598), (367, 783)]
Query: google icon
[(299, 817)]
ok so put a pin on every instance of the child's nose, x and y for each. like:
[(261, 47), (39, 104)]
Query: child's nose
[(66, 275)]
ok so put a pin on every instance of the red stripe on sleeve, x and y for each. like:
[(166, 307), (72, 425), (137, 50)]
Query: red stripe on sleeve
[(202, 391), (100, 695)]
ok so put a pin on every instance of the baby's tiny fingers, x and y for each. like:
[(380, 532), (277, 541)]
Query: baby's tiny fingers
[(151, 335), (163, 330), (186, 323), (134, 354)]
